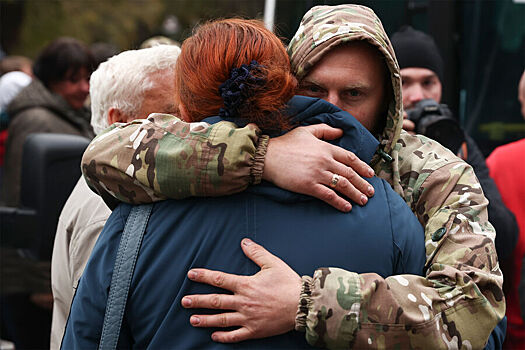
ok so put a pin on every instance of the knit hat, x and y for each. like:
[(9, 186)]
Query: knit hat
[(415, 49)]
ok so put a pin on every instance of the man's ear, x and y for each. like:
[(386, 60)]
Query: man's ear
[(115, 115)]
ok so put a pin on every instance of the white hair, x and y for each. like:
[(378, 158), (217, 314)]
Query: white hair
[(122, 81)]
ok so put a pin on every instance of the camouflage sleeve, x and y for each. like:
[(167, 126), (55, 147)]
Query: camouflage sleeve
[(455, 306), (163, 157)]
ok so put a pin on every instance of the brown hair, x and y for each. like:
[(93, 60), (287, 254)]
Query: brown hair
[(214, 50), (62, 59)]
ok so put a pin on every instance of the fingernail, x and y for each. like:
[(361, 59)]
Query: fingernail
[(370, 191), (347, 207), (214, 337), (364, 199), (247, 241), (371, 172), (195, 320), (192, 275), (186, 301)]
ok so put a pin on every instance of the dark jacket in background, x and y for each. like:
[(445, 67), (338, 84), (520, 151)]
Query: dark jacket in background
[(383, 237), (499, 215), (36, 110)]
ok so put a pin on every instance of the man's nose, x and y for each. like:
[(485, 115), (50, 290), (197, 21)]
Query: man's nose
[(414, 94), (334, 99)]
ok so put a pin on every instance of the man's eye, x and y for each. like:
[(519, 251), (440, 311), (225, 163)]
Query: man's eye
[(353, 93), (312, 88), (428, 83)]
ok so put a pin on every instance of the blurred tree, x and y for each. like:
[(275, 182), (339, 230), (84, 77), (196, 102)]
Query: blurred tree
[(26, 26), (191, 12), (119, 22)]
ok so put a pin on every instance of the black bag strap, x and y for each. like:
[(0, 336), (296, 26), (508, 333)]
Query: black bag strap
[(127, 255)]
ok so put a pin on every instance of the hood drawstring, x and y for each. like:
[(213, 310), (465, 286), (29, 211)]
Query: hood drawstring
[(385, 156)]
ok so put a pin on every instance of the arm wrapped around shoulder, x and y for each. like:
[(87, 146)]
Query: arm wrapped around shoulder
[(458, 302), (163, 157)]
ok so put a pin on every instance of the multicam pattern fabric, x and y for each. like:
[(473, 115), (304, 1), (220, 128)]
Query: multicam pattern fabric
[(325, 27), (163, 157), (458, 302)]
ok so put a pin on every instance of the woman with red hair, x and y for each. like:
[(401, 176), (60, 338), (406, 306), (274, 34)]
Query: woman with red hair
[(246, 48), (237, 70)]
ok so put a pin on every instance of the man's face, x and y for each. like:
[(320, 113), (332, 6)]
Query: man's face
[(160, 98), (352, 77), (419, 84), (74, 89)]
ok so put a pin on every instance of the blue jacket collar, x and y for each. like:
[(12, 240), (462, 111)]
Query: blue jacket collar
[(308, 111)]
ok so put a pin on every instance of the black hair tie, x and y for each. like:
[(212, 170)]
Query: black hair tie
[(238, 88)]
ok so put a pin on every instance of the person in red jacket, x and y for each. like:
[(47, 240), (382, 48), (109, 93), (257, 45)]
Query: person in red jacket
[(507, 168)]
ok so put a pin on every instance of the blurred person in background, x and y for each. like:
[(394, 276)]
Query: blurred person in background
[(53, 103), (129, 86), (16, 63), (422, 76), (158, 40), (15, 74), (10, 86), (507, 166), (102, 52)]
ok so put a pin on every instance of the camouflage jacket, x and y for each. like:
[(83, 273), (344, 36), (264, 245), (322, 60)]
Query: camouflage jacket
[(456, 304), (163, 157), (460, 300)]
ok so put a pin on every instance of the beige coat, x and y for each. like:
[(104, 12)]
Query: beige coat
[(79, 226)]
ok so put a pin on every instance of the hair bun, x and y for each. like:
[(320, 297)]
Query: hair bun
[(239, 88)]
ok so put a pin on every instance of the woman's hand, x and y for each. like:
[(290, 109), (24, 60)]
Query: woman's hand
[(300, 161), (263, 305)]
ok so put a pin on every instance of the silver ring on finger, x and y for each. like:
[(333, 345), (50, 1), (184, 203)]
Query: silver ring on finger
[(335, 180)]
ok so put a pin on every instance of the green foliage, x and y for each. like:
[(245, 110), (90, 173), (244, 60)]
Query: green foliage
[(123, 23), (119, 22), (193, 12)]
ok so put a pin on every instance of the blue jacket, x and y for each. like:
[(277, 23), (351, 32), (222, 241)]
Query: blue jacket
[(382, 237)]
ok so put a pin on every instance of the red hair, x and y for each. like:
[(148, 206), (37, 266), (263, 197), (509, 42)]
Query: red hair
[(208, 57)]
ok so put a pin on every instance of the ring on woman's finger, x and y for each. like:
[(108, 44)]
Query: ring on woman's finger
[(335, 180)]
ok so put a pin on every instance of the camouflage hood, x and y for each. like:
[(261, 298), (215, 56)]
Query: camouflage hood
[(324, 27)]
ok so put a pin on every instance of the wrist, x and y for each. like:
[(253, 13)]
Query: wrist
[(305, 300), (257, 169), (270, 159)]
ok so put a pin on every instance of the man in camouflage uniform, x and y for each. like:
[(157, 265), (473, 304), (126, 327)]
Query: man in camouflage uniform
[(458, 302)]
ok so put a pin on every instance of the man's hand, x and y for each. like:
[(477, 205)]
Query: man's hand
[(301, 162), (408, 125), (263, 305)]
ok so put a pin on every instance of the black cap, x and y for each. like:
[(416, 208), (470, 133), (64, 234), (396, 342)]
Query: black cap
[(415, 49)]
